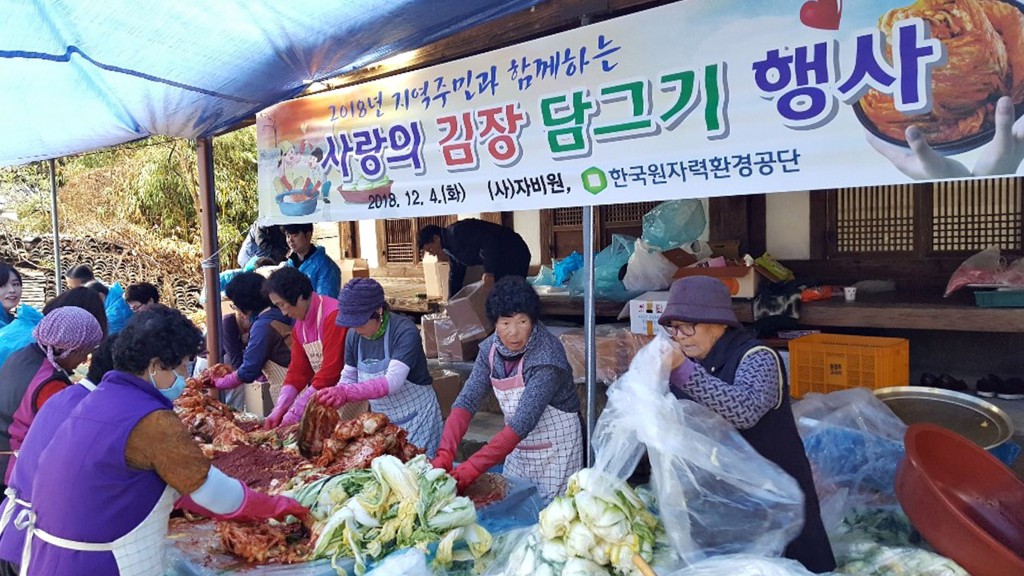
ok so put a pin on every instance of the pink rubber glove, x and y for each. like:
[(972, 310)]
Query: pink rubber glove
[(227, 382), (493, 452), (284, 401), (454, 429), (257, 506), (340, 394)]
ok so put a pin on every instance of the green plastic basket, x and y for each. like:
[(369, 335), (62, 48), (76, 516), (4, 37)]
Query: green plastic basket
[(999, 298)]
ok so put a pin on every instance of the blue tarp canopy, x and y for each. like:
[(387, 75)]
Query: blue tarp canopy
[(80, 75)]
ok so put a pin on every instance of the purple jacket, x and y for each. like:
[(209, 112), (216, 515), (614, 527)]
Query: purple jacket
[(84, 489), (49, 418)]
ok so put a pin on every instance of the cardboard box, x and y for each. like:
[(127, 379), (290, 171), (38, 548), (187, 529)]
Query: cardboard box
[(447, 385), (354, 268), (468, 310), (435, 275), (452, 345), (728, 249), (429, 335), (742, 281), (616, 346), (644, 311)]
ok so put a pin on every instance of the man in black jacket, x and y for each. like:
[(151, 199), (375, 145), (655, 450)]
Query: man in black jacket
[(473, 242)]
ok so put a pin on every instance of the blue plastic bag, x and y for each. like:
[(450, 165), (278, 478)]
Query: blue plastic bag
[(117, 309), (544, 277), (674, 223), (18, 333), (564, 269), (607, 265)]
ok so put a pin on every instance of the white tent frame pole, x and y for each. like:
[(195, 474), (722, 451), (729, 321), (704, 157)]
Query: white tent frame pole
[(211, 250), (589, 319), (57, 271)]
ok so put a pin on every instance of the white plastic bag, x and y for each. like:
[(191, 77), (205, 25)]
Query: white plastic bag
[(715, 494), (745, 565), (648, 269)]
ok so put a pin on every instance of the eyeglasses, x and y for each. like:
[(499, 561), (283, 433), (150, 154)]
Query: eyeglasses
[(134, 307), (682, 329)]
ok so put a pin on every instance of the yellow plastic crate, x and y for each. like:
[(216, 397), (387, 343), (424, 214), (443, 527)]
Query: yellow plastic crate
[(829, 362)]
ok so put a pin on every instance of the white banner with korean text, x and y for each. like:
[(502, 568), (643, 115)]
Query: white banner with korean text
[(694, 99)]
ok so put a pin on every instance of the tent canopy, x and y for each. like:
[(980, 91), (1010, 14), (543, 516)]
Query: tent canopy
[(86, 75)]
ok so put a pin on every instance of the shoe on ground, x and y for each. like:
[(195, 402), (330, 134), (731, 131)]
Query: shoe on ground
[(988, 386), (947, 382), (1012, 389)]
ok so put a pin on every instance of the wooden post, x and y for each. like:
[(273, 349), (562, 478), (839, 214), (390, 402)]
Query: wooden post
[(211, 251)]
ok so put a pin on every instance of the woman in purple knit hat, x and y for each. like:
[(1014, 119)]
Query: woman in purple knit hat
[(726, 369), (385, 364)]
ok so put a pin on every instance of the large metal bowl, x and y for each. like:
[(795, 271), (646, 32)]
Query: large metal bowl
[(979, 421)]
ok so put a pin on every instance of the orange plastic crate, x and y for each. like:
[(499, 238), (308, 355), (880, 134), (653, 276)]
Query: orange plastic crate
[(829, 362)]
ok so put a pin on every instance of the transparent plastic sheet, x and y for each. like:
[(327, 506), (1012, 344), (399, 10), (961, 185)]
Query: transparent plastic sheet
[(854, 443), (18, 333), (981, 268), (608, 264), (882, 541), (674, 223), (1013, 275), (715, 494), (193, 548), (744, 565), (648, 269)]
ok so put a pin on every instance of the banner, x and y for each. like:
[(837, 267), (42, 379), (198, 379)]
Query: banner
[(694, 99)]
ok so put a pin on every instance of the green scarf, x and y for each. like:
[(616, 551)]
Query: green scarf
[(384, 318)]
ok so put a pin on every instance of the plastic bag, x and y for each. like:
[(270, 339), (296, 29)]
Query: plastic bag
[(674, 223), (545, 277), (648, 269), (18, 333), (1012, 275), (715, 493), (409, 562), (854, 443), (564, 269), (882, 541), (608, 264), (982, 268), (745, 565), (117, 309), (616, 347)]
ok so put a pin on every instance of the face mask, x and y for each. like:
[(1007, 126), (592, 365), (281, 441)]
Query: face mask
[(174, 391)]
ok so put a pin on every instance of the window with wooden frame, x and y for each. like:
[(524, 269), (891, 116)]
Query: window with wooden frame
[(396, 237), (562, 228), (923, 220)]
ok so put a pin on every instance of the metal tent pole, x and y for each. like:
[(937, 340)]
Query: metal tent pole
[(589, 319), (57, 271), (208, 225)]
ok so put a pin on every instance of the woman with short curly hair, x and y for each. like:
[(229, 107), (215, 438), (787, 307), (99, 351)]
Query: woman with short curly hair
[(318, 343), (525, 364), (128, 457)]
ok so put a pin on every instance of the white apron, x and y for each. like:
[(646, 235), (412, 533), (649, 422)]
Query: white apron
[(414, 407), (140, 552), (552, 451)]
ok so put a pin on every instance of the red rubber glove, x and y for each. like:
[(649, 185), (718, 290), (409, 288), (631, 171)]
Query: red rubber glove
[(227, 382), (187, 504), (284, 401), (493, 452), (454, 430), (257, 506)]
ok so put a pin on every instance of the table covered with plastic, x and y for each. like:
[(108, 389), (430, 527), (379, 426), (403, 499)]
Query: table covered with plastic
[(193, 548)]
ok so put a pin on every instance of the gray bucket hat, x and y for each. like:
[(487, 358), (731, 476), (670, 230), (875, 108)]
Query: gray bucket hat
[(699, 300)]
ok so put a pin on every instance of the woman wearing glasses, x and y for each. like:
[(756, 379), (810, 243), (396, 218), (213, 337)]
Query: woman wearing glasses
[(725, 368)]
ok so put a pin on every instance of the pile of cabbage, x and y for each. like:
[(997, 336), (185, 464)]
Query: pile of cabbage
[(595, 530), (367, 514)]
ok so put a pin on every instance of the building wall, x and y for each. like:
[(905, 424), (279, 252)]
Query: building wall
[(788, 216)]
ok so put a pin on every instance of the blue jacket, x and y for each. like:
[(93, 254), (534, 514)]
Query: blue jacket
[(321, 270), (265, 343)]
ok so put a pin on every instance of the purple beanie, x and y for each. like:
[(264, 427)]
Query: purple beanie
[(359, 299), (699, 300)]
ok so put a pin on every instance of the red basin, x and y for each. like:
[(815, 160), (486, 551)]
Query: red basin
[(965, 502)]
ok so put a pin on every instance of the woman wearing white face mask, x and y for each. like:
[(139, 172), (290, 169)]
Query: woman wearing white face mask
[(129, 457)]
